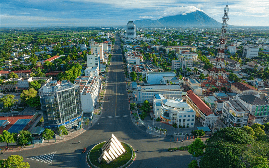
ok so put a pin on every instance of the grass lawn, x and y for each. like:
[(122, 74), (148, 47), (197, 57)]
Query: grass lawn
[(123, 159)]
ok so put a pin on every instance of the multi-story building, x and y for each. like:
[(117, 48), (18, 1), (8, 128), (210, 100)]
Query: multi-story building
[(257, 104), (184, 61), (97, 49), (232, 49), (173, 111), (89, 90), (143, 93), (155, 78), (234, 113), (131, 30), (93, 61), (203, 112), (250, 51), (60, 103)]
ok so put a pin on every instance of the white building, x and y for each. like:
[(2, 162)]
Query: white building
[(131, 30), (184, 61), (97, 49), (89, 90), (93, 61), (173, 111), (234, 113), (250, 51), (232, 49), (148, 92), (257, 104), (155, 78), (92, 71)]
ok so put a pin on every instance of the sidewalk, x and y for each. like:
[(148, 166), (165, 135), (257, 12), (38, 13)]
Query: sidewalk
[(46, 142)]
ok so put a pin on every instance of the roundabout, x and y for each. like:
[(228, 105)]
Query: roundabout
[(124, 160)]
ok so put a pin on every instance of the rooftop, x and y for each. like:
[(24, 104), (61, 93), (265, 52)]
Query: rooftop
[(254, 100), (199, 103)]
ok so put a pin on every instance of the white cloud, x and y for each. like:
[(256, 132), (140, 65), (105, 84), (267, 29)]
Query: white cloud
[(140, 4), (170, 11)]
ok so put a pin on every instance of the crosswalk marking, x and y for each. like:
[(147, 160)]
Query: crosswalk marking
[(109, 116), (46, 158), (117, 116), (125, 116)]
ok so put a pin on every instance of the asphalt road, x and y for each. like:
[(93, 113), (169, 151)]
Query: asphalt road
[(115, 119)]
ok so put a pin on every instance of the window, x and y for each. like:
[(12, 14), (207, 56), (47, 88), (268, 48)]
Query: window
[(184, 120), (192, 115), (180, 116), (192, 119), (184, 115), (188, 119), (179, 120), (191, 123), (189, 115)]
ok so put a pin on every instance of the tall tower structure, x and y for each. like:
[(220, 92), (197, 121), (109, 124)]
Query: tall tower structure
[(220, 55), (131, 30)]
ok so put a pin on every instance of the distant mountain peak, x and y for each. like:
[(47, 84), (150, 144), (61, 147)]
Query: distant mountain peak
[(196, 18)]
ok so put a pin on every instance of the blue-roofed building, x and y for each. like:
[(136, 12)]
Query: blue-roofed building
[(134, 85), (156, 78), (173, 111)]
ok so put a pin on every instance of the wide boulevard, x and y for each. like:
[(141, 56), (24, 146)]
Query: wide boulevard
[(115, 119)]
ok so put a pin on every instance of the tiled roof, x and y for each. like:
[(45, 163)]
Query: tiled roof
[(4, 72), (52, 58), (199, 103), (243, 86), (22, 71)]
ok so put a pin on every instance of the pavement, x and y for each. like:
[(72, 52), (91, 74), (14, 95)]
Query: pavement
[(151, 152)]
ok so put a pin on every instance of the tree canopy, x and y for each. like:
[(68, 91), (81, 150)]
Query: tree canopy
[(8, 100), (14, 161), (30, 97)]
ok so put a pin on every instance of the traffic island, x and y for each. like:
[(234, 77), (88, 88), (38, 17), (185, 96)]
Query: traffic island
[(101, 156)]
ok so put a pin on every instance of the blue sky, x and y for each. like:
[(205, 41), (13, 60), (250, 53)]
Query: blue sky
[(40, 13)]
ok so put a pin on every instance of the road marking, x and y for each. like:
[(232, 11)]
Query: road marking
[(117, 116), (109, 116), (46, 158), (103, 117), (125, 116)]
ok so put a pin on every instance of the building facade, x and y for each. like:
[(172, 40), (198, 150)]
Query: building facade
[(173, 111), (60, 103), (143, 93), (131, 30), (250, 51)]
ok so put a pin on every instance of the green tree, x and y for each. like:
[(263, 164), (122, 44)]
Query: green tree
[(196, 148), (146, 106), (62, 130), (193, 164), (202, 76), (12, 75), (7, 137), (24, 137), (133, 75), (14, 161), (35, 84), (266, 127), (8, 100), (248, 130), (30, 97), (47, 134)]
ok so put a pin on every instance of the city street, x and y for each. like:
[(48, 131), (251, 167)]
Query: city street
[(115, 119)]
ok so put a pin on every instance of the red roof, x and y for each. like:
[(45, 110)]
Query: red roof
[(13, 120), (199, 103), (54, 73), (52, 58), (4, 72), (22, 71), (243, 86)]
